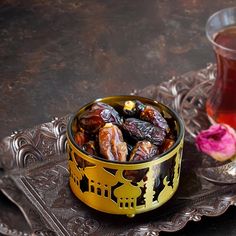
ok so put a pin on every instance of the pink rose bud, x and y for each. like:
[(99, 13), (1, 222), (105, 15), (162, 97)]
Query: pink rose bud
[(219, 141)]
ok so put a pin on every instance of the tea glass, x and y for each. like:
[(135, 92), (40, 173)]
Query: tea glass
[(221, 32)]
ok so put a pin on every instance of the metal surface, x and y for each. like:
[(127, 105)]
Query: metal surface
[(224, 174), (40, 188)]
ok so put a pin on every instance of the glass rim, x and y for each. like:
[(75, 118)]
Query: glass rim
[(210, 38)]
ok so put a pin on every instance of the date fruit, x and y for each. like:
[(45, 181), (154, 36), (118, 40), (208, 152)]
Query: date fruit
[(111, 143), (168, 143), (153, 116), (143, 150), (142, 130), (81, 138), (90, 147), (146, 113), (96, 117)]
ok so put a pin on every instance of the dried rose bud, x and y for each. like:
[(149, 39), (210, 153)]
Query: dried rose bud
[(219, 141), (111, 143)]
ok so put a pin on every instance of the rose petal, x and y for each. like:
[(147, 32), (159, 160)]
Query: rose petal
[(219, 141)]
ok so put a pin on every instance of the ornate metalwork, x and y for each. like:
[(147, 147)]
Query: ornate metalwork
[(36, 222), (186, 94), (220, 174), (31, 146), (192, 108), (103, 186), (36, 178)]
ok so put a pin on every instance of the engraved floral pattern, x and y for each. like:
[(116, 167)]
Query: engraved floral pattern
[(33, 145), (82, 226)]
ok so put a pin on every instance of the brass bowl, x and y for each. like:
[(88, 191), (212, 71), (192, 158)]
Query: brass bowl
[(100, 183)]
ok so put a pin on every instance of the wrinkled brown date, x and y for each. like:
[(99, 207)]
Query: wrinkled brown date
[(153, 116), (90, 147), (143, 150), (81, 138), (135, 175), (99, 114), (142, 130), (167, 144), (111, 143), (145, 112)]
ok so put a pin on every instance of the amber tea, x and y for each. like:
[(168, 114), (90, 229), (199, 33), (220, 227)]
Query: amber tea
[(221, 104)]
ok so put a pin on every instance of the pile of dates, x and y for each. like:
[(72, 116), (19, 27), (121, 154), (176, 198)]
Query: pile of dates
[(132, 131)]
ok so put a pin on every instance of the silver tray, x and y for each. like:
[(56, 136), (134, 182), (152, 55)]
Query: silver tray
[(35, 176)]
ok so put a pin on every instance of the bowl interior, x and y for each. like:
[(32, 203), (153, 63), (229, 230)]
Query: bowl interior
[(117, 102)]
